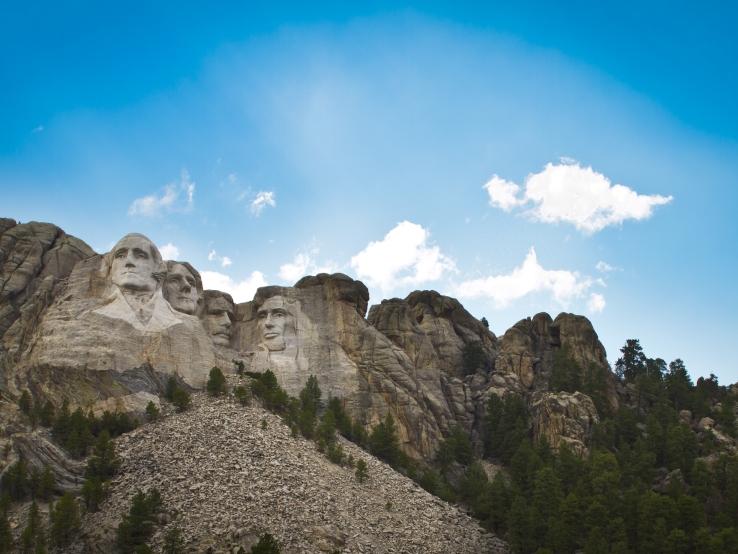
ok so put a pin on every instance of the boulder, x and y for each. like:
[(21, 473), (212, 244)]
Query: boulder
[(563, 418)]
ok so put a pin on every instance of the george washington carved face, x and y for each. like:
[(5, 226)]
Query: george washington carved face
[(135, 260), (182, 287)]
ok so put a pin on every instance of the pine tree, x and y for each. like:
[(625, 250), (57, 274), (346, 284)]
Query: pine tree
[(24, 403), (93, 493), (6, 535), (267, 545), (103, 463), (216, 385), (327, 429), (173, 541), (362, 472), (152, 412), (181, 399), (137, 525), (65, 521), (383, 441), (32, 537), (242, 395)]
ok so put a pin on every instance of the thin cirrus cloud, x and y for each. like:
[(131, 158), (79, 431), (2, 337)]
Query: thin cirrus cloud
[(302, 264), (224, 261), (569, 193), (529, 278), (403, 257), (176, 197), (261, 201), (241, 291)]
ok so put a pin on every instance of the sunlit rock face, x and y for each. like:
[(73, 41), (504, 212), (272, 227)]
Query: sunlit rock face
[(406, 359), (183, 287), (105, 330), (112, 316)]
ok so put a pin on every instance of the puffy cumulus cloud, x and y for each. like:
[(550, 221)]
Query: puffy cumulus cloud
[(261, 201), (596, 303), (530, 277), (567, 192), (226, 261), (176, 197), (403, 257), (304, 264), (169, 251), (241, 291), (503, 194)]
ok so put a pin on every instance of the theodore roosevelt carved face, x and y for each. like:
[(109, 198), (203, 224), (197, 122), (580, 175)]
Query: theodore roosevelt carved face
[(218, 315), (274, 318), (135, 260), (182, 287)]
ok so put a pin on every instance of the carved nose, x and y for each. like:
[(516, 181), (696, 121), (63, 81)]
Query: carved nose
[(186, 288)]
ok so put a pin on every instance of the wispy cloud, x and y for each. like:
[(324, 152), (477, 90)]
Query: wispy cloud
[(262, 200), (528, 278), (403, 257), (604, 267), (596, 303), (224, 261), (241, 290), (169, 251), (176, 197), (567, 192)]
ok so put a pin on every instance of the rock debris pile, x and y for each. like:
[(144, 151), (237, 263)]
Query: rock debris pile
[(226, 477)]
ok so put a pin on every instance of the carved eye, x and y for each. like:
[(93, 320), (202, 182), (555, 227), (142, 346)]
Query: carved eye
[(121, 253)]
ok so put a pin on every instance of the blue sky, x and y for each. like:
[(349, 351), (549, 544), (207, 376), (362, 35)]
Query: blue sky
[(523, 159)]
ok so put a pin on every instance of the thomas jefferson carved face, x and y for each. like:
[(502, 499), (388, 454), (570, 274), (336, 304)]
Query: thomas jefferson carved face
[(134, 260), (217, 316), (181, 288), (273, 318)]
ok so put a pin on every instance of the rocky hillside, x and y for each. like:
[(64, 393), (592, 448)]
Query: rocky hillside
[(68, 330), (226, 477)]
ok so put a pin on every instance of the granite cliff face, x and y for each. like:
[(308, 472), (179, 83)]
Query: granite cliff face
[(107, 330)]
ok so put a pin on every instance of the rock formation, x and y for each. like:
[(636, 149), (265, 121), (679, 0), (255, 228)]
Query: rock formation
[(107, 330)]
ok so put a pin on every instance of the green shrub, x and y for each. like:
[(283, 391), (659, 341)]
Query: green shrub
[(137, 525), (267, 545), (362, 472), (242, 395), (173, 541), (65, 521), (181, 399), (152, 412), (216, 385)]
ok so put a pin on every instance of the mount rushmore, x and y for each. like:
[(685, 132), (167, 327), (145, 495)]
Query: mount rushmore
[(107, 331)]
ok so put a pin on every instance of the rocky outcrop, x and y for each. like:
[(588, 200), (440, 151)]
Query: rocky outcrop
[(563, 418), (72, 327), (35, 259), (225, 478), (527, 350)]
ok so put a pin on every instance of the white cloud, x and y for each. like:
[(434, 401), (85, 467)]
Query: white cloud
[(262, 200), (169, 251), (176, 197), (503, 194), (530, 277), (596, 303), (402, 257), (224, 261), (241, 291), (304, 264), (38, 129), (567, 192), (604, 267)]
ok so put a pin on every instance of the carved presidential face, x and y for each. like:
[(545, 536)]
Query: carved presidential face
[(217, 317), (180, 288), (273, 319), (134, 261)]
